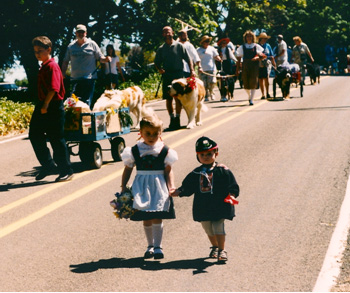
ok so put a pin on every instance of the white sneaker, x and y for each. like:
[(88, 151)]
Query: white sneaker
[(212, 97)]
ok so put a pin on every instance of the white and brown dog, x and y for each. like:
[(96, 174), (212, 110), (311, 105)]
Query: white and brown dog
[(134, 99), (191, 97)]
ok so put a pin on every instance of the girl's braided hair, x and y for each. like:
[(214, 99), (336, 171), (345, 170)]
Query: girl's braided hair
[(152, 121)]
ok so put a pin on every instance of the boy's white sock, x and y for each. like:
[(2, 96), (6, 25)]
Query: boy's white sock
[(149, 234), (158, 234)]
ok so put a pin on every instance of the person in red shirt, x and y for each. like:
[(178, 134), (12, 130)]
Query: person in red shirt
[(48, 117)]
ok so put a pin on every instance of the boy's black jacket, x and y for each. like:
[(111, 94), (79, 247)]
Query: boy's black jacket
[(209, 194)]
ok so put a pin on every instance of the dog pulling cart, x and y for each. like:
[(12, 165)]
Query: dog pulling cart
[(83, 130)]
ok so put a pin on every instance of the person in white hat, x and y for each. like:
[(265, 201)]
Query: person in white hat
[(208, 55), (264, 69), (282, 51), (83, 54)]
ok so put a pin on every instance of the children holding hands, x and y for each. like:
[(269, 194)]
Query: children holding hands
[(215, 189), (153, 182)]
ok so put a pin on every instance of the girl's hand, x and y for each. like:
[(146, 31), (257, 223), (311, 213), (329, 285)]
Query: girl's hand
[(174, 192)]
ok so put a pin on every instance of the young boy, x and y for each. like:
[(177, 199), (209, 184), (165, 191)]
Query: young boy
[(213, 196), (48, 116)]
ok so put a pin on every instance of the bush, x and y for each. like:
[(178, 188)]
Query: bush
[(14, 116), (149, 86)]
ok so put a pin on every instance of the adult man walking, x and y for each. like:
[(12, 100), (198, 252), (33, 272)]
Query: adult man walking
[(183, 39), (282, 51), (83, 54), (169, 62)]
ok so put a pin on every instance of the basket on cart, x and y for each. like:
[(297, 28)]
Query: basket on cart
[(82, 130)]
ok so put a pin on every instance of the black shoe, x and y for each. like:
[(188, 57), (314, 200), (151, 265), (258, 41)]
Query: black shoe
[(177, 123), (64, 177), (45, 171), (263, 97), (149, 252), (158, 253), (172, 123), (268, 96)]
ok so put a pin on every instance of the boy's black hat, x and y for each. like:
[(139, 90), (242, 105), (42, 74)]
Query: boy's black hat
[(205, 144)]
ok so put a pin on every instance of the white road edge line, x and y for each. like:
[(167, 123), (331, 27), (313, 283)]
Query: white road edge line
[(14, 138), (333, 260)]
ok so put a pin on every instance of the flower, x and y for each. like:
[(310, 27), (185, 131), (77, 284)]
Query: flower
[(191, 82), (122, 204), (70, 102)]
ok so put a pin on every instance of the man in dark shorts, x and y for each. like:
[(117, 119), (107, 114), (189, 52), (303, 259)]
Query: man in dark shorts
[(169, 63)]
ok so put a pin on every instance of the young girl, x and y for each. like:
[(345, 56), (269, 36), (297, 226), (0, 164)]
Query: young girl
[(153, 182), (214, 188), (111, 74)]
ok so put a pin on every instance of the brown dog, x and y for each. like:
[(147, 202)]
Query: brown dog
[(192, 99)]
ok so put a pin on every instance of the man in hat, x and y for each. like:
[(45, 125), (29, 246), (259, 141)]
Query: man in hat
[(83, 54), (183, 39), (282, 52), (208, 55), (169, 62)]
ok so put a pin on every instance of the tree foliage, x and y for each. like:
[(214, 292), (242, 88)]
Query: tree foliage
[(317, 22)]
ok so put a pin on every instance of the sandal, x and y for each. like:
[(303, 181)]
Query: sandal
[(214, 252), (222, 256)]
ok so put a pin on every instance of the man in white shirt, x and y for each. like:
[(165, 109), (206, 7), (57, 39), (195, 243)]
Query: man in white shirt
[(83, 54), (183, 38), (208, 55), (282, 51)]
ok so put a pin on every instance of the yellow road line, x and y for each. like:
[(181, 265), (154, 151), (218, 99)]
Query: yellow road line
[(39, 193), (57, 204), (81, 192)]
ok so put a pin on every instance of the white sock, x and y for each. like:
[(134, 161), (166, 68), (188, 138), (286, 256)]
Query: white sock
[(149, 234), (157, 234), (248, 93), (252, 93)]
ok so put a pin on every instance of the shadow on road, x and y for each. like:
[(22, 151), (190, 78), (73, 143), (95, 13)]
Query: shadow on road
[(197, 265)]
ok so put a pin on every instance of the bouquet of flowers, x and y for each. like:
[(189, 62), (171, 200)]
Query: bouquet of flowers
[(70, 102), (122, 204)]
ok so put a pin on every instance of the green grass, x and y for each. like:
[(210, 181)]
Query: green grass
[(14, 116)]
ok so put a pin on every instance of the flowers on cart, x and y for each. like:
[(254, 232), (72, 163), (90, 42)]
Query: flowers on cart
[(122, 204), (71, 102)]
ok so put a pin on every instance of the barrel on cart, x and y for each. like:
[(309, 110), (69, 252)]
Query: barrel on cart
[(83, 130)]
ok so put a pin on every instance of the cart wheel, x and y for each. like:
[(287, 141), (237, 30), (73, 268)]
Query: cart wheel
[(117, 147), (91, 154)]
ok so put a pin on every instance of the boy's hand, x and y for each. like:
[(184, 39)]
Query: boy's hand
[(43, 110)]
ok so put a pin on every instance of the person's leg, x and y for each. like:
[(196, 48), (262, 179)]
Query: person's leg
[(37, 137), (84, 90), (157, 225), (262, 88), (266, 81), (178, 108), (147, 227), (55, 133), (219, 232), (207, 226)]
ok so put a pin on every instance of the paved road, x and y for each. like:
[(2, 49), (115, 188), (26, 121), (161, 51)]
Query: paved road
[(290, 158)]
